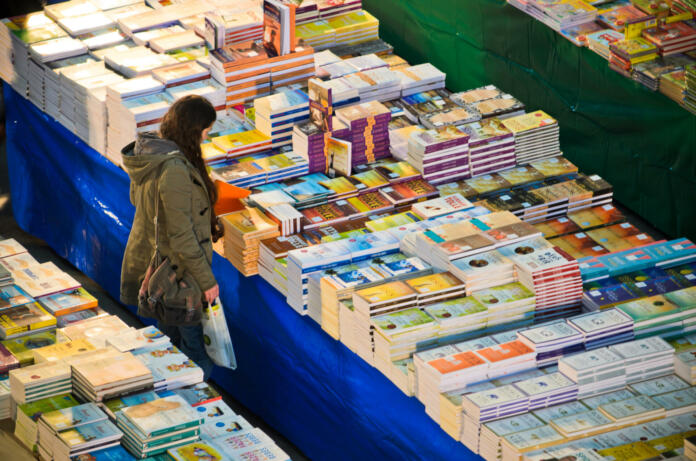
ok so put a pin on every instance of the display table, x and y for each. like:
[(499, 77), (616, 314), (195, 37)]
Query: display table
[(641, 142), (311, 388)]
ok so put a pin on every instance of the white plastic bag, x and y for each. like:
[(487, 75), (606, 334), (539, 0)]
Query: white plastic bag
[(216, 336)]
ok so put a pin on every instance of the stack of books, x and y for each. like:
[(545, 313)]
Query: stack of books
[(420, 78), (74, 431), (170, 368), (560, 16), (595, 372), (353, 27), (229, 27), (458, 319), (5, 400), (491, 147), (436, 287), (673, 85), (493, 432), (553, 275), (485, 270), (138, 61), (441, 155), (629, 52), (243, 231), (490, 101), (327, 288), (369, 133), (108, 374), (536, 136), (68, 302), (509, 306), (439, 206), (25, 319), (399, 334), (685, 366), (154, 427), (40, 381), (603, 328), (275, 115), (673, 38), (552, 340), (26, 423), (645, 358), (138, 104), (600, 41), (181, 74)]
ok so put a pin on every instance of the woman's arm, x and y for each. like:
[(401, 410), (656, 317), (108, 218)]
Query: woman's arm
[(175, 193)]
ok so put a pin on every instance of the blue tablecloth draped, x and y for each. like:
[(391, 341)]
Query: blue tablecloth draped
[(322, 397)]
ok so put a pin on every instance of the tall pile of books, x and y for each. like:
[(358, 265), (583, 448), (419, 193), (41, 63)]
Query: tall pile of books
[(40, 381), (690, 100), (243, 231)]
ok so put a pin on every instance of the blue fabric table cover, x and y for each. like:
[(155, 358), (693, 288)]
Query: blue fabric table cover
[(315, 391)]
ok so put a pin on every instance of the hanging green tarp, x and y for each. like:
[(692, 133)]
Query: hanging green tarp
[(640, 141)]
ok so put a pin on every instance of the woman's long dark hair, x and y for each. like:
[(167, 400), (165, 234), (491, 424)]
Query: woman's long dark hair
[(184, 123)]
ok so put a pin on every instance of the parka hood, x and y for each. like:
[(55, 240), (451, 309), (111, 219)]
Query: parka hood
[(146, 154)]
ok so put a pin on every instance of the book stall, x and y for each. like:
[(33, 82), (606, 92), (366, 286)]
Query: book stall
[(417, 273)]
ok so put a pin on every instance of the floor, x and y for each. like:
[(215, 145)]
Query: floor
[(43, 253)]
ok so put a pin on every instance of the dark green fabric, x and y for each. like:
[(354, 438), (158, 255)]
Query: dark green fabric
[(640, 141)]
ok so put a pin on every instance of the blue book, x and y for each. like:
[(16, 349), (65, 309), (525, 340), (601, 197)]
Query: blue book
[(117, 453)]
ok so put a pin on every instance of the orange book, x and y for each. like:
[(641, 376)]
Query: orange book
[(456, 362), (504, 351), (229, 198)]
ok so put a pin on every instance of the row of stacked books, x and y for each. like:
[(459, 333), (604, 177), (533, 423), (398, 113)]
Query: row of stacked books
[(64, 59), (650, 42), (116, 392)]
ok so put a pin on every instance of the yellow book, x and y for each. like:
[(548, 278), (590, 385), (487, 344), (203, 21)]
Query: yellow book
[(59, 351), (529, 121), (384, 293), (637, 451), (434, 283), (242, 140), (24, 318)]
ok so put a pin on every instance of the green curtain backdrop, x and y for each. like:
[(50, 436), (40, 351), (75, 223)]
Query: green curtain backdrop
[(640, 141)]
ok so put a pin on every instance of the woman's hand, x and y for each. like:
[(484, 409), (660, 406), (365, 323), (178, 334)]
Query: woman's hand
[(211, 294)]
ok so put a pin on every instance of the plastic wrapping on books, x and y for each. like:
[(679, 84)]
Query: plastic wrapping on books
[(216, 336)]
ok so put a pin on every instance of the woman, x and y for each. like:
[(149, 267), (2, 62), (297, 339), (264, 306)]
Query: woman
[(171, 162)]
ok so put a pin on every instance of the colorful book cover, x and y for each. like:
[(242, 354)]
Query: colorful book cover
[(24, 318), (102, 430), (456, 362), (23, 347), (434, 283), (456, 309), (557, 227), (394, 323), (197, 451), (645, 309), (370, 202), (75, 416), (35, 409), (68, 301), (596, 217), (386, 292), (503, 294), (554, 166), (12, 296)]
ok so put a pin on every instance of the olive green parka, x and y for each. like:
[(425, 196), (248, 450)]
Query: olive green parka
[(184, 214)]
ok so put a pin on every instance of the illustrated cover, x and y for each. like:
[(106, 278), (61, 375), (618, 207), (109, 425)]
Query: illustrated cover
[(66, 418), (386, 292), (456, 309), (162, 416), (23, 347), (24, 318), (503, 294), (370, 202), (68, 301), (554, 166), (89, 433), (434, 283), (456, 362), (600, 216), (557, 227), (12, 296), (402, 321)]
